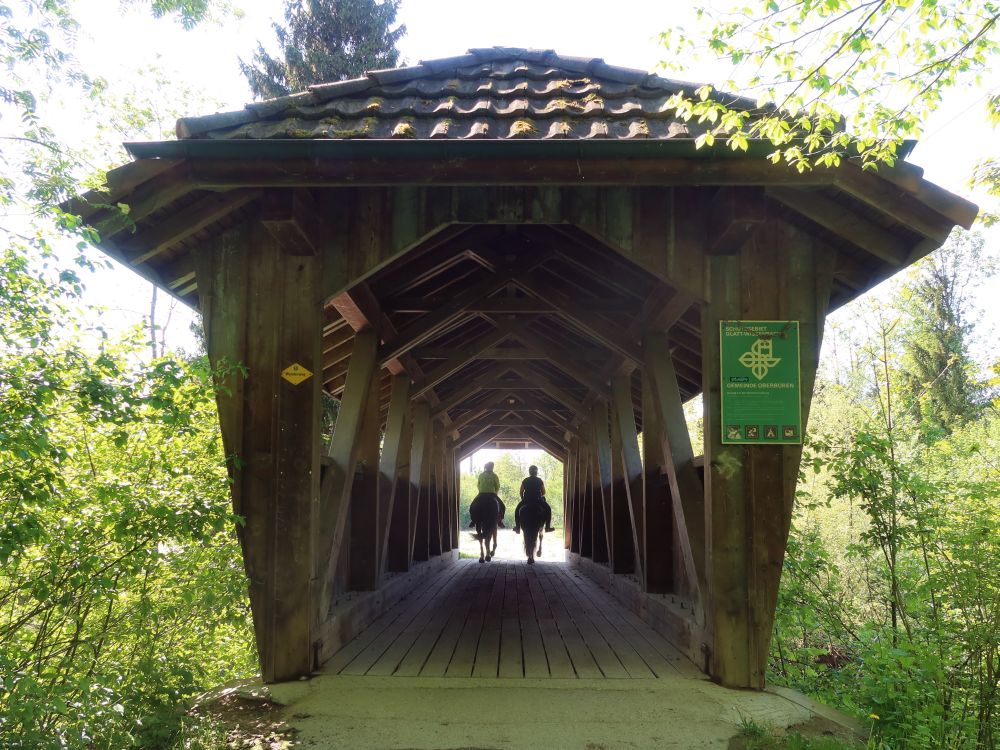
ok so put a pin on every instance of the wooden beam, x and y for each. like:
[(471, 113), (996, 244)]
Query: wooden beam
[(393, 449), (461, 358), (602, 456), (291, 217), (363, 570), (749, 490), (151, 241), (343, 455), (419, 482), (674, 443), (734, 215), (584, 320), (429, 325), (842, 221), (261, 308), (658, 517), (621, 391)]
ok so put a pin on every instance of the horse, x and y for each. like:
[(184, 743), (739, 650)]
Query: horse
[(532, 521), (485, 514)]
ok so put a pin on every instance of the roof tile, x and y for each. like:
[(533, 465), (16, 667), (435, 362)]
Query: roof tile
[(498, 93)]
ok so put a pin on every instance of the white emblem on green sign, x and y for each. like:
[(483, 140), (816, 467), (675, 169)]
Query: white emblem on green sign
[(760, 386)]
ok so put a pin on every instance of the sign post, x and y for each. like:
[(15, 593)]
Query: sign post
[(761, 382)]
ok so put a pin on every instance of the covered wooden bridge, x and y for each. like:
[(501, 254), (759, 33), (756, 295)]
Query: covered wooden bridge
[(506, 248)]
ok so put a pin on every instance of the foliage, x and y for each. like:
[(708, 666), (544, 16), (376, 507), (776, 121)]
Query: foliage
[(890, 600), (836, 77), (324, 41), (940, 385), (119, 569)]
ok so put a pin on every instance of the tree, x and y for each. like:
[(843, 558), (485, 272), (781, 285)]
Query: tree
[(939, 376), (837, 76), (323, 41)]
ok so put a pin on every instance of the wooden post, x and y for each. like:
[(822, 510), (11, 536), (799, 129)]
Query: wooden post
[(657, 524), (262, 310), (599, 544), (622, 544), (686, 488), (434, 490), (586, 505), (363, 574), (621, 390), (400, 548), (419, 494), (393, 449), (602, 451), (343, 454), (749, 490)]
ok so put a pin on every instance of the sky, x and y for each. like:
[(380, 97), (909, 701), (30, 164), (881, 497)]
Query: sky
[(116, 42)]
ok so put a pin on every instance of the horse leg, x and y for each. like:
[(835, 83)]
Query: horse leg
[(494, 553), (541, 535), (480, 537)]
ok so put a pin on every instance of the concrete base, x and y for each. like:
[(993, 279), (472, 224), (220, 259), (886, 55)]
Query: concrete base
[(332, 711)]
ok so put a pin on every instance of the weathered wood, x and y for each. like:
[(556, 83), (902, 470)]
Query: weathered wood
[(734, 215), (147, 244), (343, 454), (657, 522), (271, 427), (363, 574), (839, 219), (390, 462), (290, 216), (749, 490), (401, 531), (623, 558), (434, 489), (686, 488), (621, 391), (419, 476), (603, 459)]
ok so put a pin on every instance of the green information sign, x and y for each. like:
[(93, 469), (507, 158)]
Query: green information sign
[(760, 381)]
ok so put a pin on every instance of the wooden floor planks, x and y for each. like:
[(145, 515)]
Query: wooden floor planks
[(508, 620)]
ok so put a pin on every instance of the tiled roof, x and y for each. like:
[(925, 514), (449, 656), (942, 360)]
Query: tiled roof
[(497, 93)]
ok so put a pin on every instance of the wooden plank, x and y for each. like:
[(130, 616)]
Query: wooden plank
[(488, 650), (628, 657), (660, 655), (339, 476), (464, 656), (148, 243), (441, 654), (511, 663), (622, 393), (363, 566), (390, 460), (535, 662), (584, 663), (399, 551), (622, 543), (358, 660), (602, 458), (409, 649), (605, 656), (658, 516), (419, 483), (687, 489), (840, 220), (560, 665)]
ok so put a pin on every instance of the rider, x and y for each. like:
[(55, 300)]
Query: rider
[(489, 483), (532, 491)]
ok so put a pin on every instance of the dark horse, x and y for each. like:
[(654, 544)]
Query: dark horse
[(485, 514), (532, 521)]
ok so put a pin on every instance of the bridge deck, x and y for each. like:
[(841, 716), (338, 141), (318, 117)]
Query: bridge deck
[(506, 619)]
